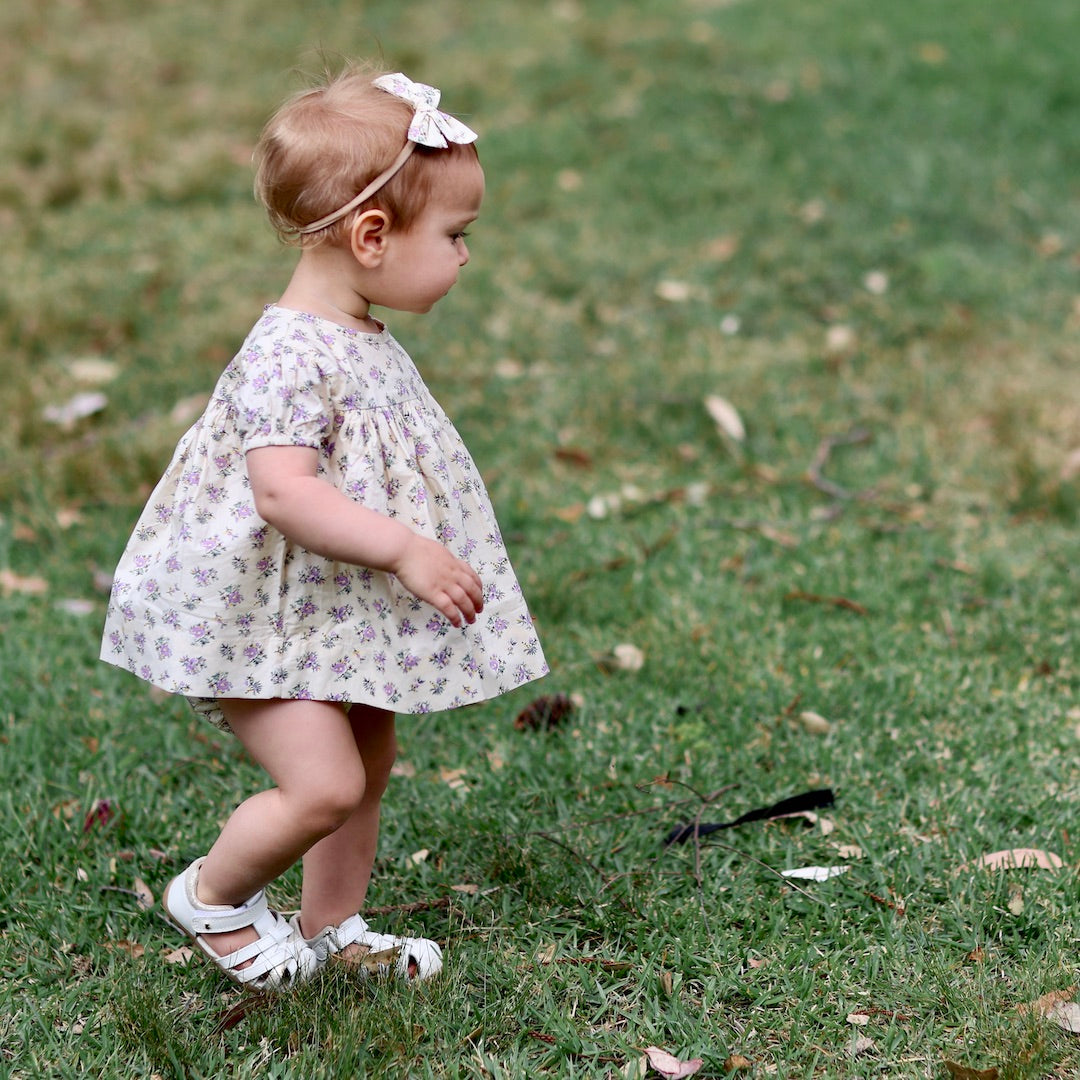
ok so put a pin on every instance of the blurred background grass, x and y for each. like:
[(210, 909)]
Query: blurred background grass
[(843, 219)]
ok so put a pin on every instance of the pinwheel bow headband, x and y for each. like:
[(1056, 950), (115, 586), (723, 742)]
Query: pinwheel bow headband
[(429, 127)]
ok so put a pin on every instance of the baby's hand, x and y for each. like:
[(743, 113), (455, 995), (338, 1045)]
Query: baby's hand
[(428, 570)]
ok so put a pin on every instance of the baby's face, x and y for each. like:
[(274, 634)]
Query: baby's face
[(422, 263)]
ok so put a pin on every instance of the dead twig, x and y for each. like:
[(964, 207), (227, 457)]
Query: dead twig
[(815, 471), (834, 601), (589, 823), (607, 879), (411, 908)]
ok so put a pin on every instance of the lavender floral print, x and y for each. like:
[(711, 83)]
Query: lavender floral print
[(210, 601)]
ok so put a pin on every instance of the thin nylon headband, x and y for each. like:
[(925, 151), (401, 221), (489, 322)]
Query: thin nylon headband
[(383, 178)]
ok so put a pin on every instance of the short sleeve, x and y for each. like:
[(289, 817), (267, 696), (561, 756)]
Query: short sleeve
[(280, 398)]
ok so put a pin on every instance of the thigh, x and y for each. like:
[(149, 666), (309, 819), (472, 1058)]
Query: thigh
[(297, 742)]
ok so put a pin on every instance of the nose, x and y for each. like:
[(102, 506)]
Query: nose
[(463, 251)]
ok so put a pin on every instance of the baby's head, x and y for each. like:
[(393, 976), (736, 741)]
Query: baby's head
[(328, 143)]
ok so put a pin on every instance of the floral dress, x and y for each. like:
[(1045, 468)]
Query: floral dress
[(210, 601)]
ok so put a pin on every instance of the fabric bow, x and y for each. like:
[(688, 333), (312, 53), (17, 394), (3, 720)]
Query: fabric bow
[(430, 126)]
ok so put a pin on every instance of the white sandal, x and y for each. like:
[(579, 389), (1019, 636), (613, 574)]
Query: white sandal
[(410, 958), (278, 960)]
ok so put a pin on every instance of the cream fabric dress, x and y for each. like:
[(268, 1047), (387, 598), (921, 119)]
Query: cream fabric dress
[(210, 601)]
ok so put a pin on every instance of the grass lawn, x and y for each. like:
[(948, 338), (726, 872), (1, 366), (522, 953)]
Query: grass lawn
[(856, 225)]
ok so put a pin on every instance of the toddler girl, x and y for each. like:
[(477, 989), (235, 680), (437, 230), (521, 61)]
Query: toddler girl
[(321, 552)]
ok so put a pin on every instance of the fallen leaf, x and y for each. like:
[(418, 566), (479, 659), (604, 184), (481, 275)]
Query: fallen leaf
[(963, 1072), (599, 506), (574, 455), (814, 723), (1066, 1014), (623, 657), (628, 657), (1019, 858), (75, 606), (418, 857), (570, 514), (815, 873), (778, 536), (667, 983), (670, 1066), (10, 582), (1071, 465), (737, 1063), (546, 711), (726, 417), (1057, 1006), (849, 851), (862, 1044), (101, 814), (840, 339), (76, 408), (876, 282), (676, 292), (569, 180), (94, 370), (1041, 1004), (546, 954), (133, 948), (813, 211), (228, 1018), (143, 896), (67, 518), (376, 963), (932, 52), (859, 1019), (179, 956), (1016, 899), (722, 248), (1050, 244), (467, 889), (454, 778)]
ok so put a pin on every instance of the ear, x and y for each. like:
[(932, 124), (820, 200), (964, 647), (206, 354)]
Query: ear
[(367, 237)]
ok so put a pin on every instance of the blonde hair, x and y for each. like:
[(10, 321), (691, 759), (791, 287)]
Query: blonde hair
[(327, 143)]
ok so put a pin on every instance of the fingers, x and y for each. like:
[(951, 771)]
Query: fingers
[(464, 599), (451, 585)]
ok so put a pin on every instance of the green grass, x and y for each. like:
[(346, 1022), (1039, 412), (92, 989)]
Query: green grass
[(757, 163)]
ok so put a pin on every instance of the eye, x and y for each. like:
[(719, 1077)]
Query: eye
[(458, 236)]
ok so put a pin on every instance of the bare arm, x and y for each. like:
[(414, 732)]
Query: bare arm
[(314, 514)]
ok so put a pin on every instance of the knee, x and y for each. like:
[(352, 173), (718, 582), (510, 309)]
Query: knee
[(332, 802)]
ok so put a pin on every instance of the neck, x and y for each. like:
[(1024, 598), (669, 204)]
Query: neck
[(322, 284)]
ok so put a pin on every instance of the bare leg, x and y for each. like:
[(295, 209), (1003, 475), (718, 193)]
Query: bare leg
[(337, 869), (310, 751)]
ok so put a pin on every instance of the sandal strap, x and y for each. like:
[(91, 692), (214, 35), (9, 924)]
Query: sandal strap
[(353, 931), (419, 953), (215, 919), (274, 957), (277, 959)]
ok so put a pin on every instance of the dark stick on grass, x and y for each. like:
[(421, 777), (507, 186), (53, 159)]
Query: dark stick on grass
[(855, 437)]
